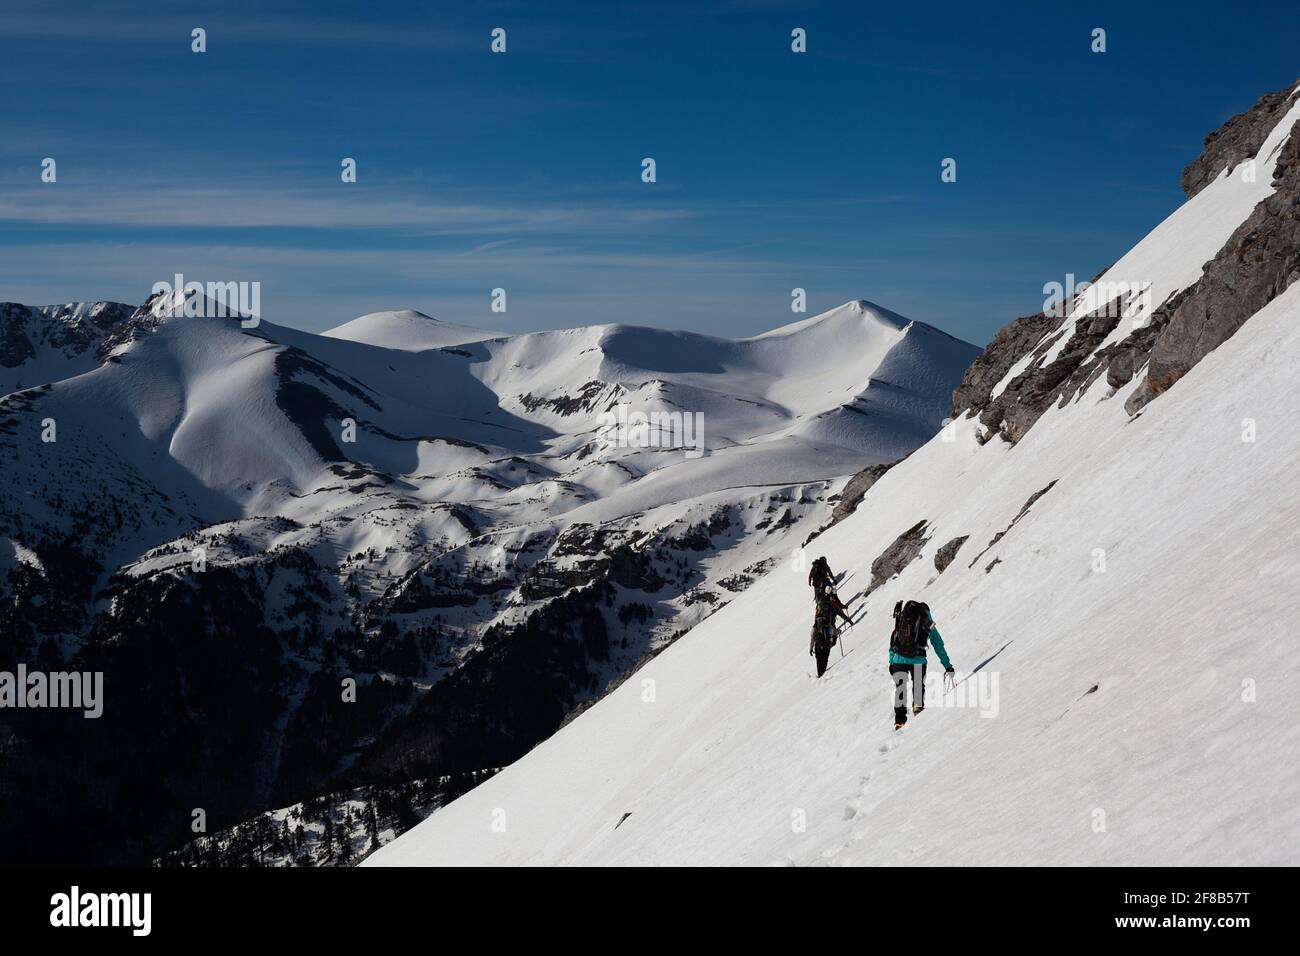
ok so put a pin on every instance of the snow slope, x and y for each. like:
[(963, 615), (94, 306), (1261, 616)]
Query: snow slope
[(1199, 531), (1123, 596)]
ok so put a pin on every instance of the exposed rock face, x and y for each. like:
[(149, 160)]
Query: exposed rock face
[(1257, 264), (1122, 360), (71, 330), (15, 345), (944, 556), (1011, 343), (898, 555), (857, 489), (589, 398), (1013, 412), (1236, 141)]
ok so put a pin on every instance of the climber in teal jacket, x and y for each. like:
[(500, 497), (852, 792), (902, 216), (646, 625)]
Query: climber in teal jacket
[(914, 631)]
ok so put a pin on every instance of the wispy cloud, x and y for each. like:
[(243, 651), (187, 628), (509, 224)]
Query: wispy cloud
[(431, 29), (140, 29), (346, 206)]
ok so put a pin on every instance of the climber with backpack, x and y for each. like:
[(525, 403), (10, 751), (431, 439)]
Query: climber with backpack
[(914, 630), (820, 573), (824, 634)]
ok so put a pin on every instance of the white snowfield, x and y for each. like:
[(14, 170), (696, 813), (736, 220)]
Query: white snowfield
[(450, 411), (814, 400), (407, 330), (1133, 631)]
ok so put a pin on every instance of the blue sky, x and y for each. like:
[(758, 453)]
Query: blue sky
[(522, 170)]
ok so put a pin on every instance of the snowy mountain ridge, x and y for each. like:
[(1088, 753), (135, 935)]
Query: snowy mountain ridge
[(267, 512), (408, 330)]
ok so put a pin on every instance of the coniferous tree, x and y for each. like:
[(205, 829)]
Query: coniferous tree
[(372, 826), (327, 839)]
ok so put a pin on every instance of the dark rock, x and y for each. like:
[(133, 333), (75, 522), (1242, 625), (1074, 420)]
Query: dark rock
[(1236, 141), (588, 399), (898, 555), (1012, 342), (15, 345), (1120, 361), (856, 490), (1025, 398), (992, 541), (59, 327), (1024, 509), (944, 556), (1257, 264)]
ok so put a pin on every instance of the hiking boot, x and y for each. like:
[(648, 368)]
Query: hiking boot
[(916, 709)]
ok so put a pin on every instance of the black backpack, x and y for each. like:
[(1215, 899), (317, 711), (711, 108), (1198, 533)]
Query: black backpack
[(824, 621), (821, 571), (911, 629)]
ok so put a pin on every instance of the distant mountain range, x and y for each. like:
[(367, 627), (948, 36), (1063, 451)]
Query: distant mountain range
[(230, 522)]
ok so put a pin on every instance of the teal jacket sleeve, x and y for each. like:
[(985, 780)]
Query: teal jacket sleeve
[(937, 641)]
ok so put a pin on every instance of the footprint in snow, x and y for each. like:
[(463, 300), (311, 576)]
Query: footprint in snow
[(850, 812), (833, 851)]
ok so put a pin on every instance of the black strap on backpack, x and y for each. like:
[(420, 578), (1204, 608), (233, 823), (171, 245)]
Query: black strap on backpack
[(911, 629)]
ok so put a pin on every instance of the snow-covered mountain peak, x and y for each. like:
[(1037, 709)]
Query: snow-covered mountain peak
[(847, 318), (408, 330)]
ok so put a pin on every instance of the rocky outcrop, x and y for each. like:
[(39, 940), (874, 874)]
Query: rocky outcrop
[(1027, 396), (856, 490), (1257, 264), (1012, 342), (1236, 141), (71, 330), (592, 396), (1120, 361), (898, 555), (944, 556), (15, 344)]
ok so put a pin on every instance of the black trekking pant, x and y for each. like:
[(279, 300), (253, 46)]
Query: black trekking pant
[(900, 673), (822, 651)]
